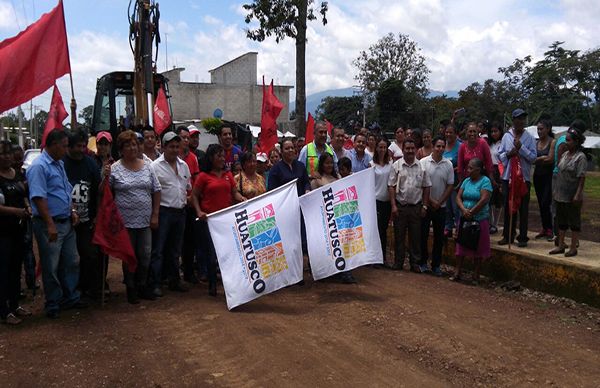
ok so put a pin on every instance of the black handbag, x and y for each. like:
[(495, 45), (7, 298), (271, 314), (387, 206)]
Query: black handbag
[(468, 234)]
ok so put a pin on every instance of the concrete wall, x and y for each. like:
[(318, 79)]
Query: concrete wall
[(239, 101), (240, 71)]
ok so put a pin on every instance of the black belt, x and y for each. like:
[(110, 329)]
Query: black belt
[(172, 209), (409, 205), (57, 220)]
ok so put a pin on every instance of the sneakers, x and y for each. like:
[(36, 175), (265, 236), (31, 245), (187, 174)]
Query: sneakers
[(11, 319), (22, 312)]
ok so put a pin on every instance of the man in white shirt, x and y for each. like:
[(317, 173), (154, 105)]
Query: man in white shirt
[(408, 187), (337, 142), (441, 174), (175, 179)]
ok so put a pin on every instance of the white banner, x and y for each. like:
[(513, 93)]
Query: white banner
[(257, 244), (341, 225)]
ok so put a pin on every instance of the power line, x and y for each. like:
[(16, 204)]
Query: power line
[(15, 12)]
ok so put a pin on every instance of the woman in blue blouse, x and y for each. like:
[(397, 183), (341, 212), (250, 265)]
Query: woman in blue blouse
[(473, 201)]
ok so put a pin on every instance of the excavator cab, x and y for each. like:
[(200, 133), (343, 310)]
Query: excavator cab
[(114, 107)]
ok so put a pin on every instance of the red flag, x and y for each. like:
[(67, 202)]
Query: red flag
[(310, 129), (329, 127), (110, 233), (162, 117), (516, 185), (271, 107), (56, 115), (31, 61)]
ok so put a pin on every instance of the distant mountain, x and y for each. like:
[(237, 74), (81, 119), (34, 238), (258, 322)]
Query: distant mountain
[(313, 100)]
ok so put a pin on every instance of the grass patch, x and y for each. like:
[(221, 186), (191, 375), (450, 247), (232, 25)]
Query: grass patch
[(592, 186)]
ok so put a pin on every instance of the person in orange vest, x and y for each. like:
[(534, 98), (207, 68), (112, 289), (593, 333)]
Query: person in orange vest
[(310, 153)]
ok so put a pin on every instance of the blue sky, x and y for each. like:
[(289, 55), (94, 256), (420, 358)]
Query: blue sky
[(463, 40)]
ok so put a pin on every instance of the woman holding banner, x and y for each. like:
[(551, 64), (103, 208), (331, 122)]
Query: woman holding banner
[(215, 189)]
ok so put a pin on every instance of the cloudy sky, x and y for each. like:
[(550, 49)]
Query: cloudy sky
[(463, 40)]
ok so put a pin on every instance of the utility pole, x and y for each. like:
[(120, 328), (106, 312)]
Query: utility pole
[(20, 130)]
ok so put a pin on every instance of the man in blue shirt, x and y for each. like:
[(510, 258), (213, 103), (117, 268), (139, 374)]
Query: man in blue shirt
[(53, 220), (517, 142), (359, 158)]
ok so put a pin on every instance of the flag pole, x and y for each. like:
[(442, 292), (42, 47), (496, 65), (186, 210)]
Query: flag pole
[(73, 102)]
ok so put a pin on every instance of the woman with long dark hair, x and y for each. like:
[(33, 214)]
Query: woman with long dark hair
[(542, 177), (214, 189), (14, 212), (326, 171), (382, 165)]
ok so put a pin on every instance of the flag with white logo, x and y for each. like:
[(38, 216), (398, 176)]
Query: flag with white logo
[(258, 244), (341, 225)]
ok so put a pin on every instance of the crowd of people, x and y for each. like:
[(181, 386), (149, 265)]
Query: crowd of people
[(453, 182)]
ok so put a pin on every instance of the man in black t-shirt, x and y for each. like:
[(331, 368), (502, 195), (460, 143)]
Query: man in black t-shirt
[(84, 176)]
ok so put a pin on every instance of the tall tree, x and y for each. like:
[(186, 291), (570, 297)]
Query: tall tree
[(86, 115), (340, 110), (392, 57), (287, 18)]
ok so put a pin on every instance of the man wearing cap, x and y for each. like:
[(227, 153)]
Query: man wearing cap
[(175, 179), (84, 176), (262, 166), (53, 220), (517, 142), (195, 143)]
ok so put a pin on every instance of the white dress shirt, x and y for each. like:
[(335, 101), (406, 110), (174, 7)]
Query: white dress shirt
[(175, 184)]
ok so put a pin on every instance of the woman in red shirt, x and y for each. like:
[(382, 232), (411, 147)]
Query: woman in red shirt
[(474, 147), (214, 189)]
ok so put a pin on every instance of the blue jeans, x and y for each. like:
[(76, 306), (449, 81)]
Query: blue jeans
[(60, 264), (167, 241), (141, 241), (452, 211)]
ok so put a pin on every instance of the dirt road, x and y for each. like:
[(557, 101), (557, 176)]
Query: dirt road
[(391, 329)]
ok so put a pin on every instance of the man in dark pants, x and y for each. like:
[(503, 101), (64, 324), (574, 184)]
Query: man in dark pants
[(441, 174), (408, 187), (517, 142), (53, 220), (190, 237), (174, 177), (84, 176)]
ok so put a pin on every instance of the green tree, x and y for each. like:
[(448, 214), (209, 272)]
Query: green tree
[(340, 111), (392, 57), (86, 115), (287, 18)]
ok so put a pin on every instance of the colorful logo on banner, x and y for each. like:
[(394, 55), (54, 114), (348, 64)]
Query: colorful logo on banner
[(260, 246), (344, 225)]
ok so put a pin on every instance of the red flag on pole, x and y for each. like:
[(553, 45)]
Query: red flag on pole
[(32, 61), (56, 115), (329, 127), (110, 233), (271, 108), (309, 136), (516, 185), (162, 117)]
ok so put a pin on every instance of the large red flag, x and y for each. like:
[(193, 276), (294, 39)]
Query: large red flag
[(271, 108), (162, 117), (110, 233), (516, 185), (310, 129), (56, 115), (31, 61)]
